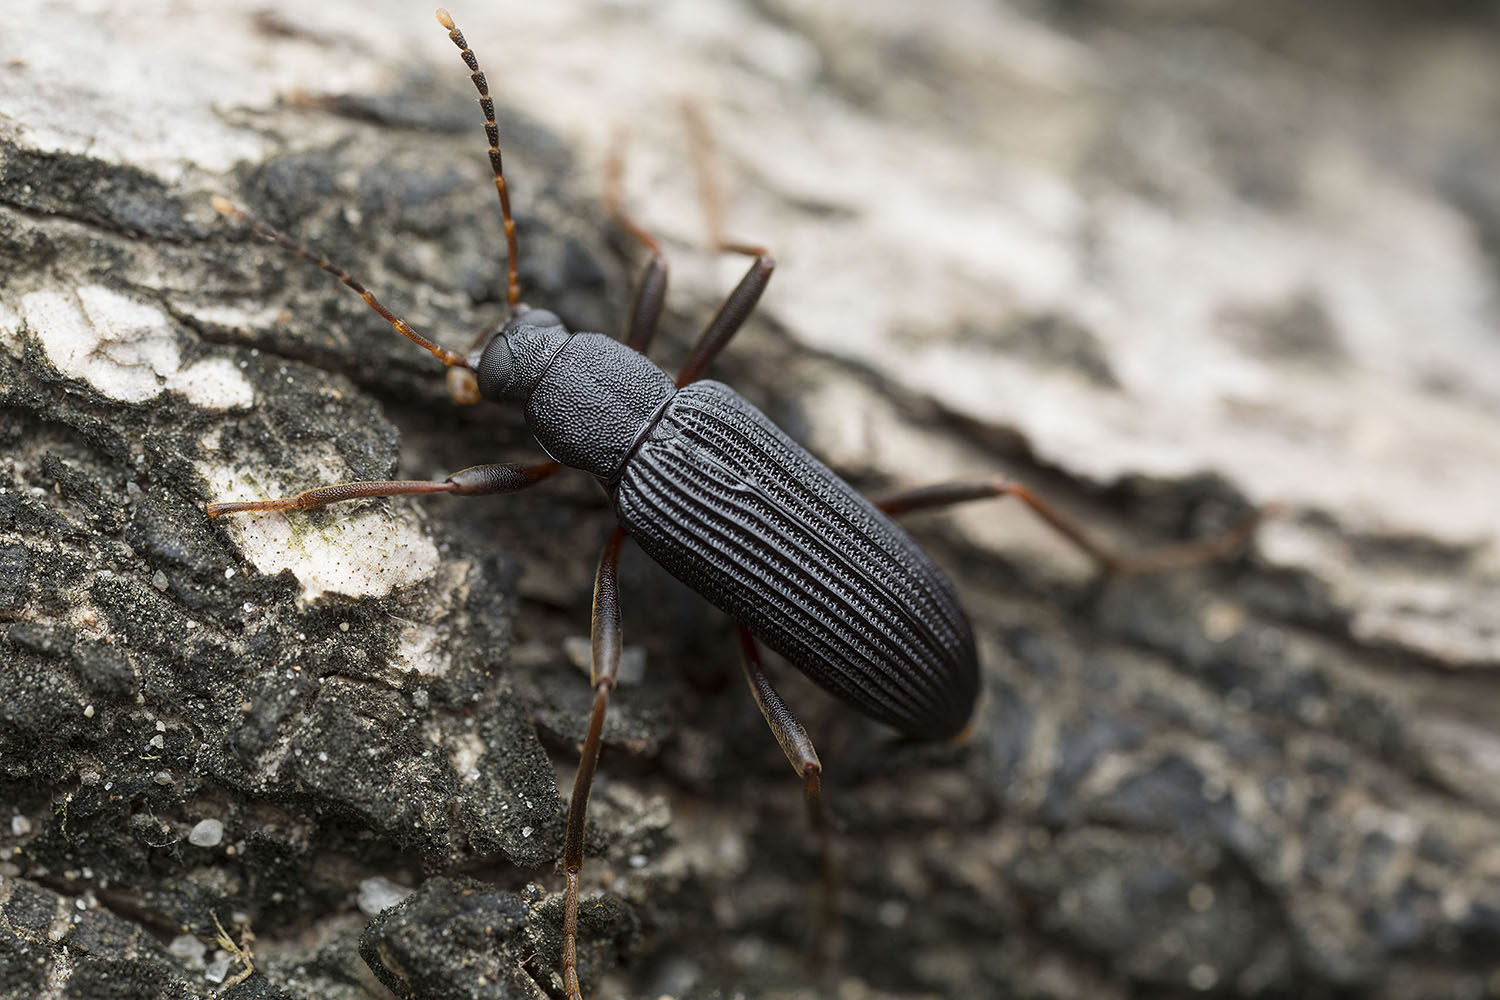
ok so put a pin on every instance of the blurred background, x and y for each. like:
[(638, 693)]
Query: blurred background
[(1166, 260)]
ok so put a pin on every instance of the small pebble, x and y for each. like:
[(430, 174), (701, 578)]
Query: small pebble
[(189, 949), (379, 894), (206, 833), (218, 969)]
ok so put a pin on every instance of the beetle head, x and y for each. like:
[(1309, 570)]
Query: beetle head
[(509, 365)]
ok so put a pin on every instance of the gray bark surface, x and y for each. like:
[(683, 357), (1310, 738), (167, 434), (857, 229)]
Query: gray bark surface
[(1164, 261)]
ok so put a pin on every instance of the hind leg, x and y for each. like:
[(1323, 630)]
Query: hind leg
[(1168, 557), (798, 747)]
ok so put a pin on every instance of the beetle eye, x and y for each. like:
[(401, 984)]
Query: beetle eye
[(496, 369)]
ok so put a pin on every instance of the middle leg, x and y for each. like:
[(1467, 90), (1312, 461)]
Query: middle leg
[(732, 314), (606, 643), (741, 302), (651, 289)]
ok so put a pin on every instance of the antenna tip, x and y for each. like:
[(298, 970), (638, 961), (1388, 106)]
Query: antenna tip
[(223, 206), (444, 18)]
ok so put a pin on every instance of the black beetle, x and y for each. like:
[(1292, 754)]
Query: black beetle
[(719, 496)]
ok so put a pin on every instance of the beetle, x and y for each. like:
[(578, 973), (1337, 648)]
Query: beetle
[(725, 501)]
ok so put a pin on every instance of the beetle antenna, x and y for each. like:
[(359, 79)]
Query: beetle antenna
[(224, 206), (487, 103)]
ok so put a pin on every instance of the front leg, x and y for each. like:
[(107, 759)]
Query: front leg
[(477, 480)]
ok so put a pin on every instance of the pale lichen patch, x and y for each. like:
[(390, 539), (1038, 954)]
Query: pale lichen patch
[(125, 348), (465, 752), (423, 645), (419, 649), (115, 344), (234, 317), (360, 552), (214, 384)]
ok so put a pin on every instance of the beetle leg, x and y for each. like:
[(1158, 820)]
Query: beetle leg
[(651, 290), (477, 480), (741, 302), (603, 667), (1169, 557), (732, 314), (799, 750)]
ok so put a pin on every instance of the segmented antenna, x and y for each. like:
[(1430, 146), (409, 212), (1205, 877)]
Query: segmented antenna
[(487, 103), (225, 207)]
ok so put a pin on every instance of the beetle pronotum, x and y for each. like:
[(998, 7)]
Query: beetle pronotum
[(723, 500)]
